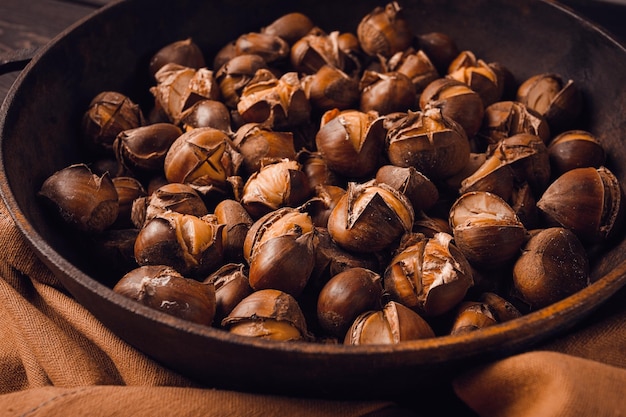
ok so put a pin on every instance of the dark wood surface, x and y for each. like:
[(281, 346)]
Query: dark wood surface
[(28, 24)]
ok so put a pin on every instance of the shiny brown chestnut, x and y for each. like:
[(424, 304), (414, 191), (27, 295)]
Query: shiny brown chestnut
[(283, 262), (179, 87), (416, 65), (268, 314), (486, 229), (558, 100), (83, 200), (355, 221), (350, 141), (283, 221), (278, 102), (191, 245), (472, 316), (502, 309), (347, 295), (260, 145), (231, 286), (553, 265), (275, 185), (419, 189), (384, 31), (237, 222), (330, 87), (429, 275), (128, 190), (478, 75), (108, 114), (142, 150), (177, 197), (163, 288), (393, 324), (183, 52), (207, 113), (575, 149), (268, 46), (233, 76), (507, 118), (430, 142), (203, 158), (290, 27), (315, 50), (316, 168), (589, 201), (387, 92), (457, 101)]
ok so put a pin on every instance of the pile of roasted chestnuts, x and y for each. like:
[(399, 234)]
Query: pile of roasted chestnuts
[(337, 187)]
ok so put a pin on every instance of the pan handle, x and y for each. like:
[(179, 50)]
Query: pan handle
[(16, 60)]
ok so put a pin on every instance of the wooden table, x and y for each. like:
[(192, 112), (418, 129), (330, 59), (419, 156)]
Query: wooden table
[(28, 24)]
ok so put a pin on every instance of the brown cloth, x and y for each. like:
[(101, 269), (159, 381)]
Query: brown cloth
[(57, 359)]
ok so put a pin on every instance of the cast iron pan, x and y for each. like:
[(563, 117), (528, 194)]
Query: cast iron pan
[(110, 51)]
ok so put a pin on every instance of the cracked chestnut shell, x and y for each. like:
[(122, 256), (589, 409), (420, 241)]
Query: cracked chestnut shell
[(83, 200), (163, 288), (558, 100), (350, 141), (356, 221), (268, 314), (191, 245), (142, 150), (430, 275), (231, 286), (275, 185), (384, 31), (203, 158), (108, 114), (433, 144), (393, 324), (486, 229)]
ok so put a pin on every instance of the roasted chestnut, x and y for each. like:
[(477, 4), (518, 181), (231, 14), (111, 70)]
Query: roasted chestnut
[(589, 201), (83, 200), (184, 52), (260, 145), (347, 295), (268, 314), (575, 149), (387, 92), (278, 102), (203, 158), (433, 144), (275, 185), (108, 114), (191, 245), (393, 324), (553, 265), (163, 288), (231, 286), (355, 222), (384, 31), (457, 101), (351, 141), (557, 100), (428, 275), (142, 150), (486, 229), (179, 87)]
